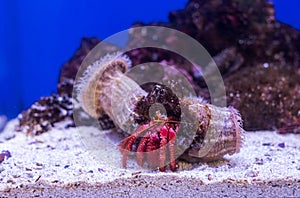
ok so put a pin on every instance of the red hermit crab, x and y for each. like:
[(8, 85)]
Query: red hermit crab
[(188, 129), (157, 143), (207, 133)]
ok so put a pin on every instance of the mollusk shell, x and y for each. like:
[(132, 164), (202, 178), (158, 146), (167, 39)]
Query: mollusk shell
[(219, 129)]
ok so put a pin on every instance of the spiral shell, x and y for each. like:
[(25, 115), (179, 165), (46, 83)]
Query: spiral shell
[(219, 130)]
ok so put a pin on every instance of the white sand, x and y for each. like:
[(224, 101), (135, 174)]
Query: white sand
[(85, 162)]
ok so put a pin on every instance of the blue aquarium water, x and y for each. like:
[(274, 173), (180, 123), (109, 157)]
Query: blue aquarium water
[(37, 37)]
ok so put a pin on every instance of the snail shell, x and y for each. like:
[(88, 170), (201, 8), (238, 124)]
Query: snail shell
[(219, 130)]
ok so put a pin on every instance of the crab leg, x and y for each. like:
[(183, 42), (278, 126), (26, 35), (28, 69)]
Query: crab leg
[(162, 151), (141, 149), (172, 140), (126, 144), (125, 147)]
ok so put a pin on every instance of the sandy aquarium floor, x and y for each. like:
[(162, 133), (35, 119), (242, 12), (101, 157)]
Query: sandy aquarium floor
[(85, 162)]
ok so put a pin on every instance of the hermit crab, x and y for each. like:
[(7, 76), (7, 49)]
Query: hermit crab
[(176, 128)]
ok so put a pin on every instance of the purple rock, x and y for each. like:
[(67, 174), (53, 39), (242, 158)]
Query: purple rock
[(5, 154), (282, 145)]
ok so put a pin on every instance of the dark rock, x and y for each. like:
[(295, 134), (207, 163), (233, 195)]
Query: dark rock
[(4, 155), (258, 57), (43, 114), (261, 78), (69, 69), (281, 145)]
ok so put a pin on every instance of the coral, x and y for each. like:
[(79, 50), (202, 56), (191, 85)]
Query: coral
[(43, 114)]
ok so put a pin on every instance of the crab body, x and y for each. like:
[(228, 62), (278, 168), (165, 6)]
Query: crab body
[(155, 144), (208, 133)]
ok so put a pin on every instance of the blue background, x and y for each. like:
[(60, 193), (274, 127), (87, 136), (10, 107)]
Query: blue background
[(37, 37)]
